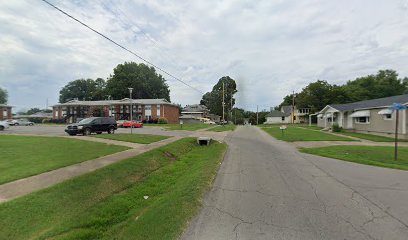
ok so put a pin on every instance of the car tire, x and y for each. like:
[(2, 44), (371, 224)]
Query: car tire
[(111, 130), (71, 134), (1, 128), (87, 131), (31, 124), (16, 124)]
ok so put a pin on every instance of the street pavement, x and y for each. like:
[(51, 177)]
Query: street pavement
[(266, 189)]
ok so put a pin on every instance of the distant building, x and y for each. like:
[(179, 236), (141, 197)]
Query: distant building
[(5, 112), (275, 117), (143, 110), (197, 111), (299, 115)]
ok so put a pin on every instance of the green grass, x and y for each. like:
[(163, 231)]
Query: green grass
[(293, 134), (109, 203), (187, 127), (369, 155), (371, 137), (24, 156), (313, 127), (134, 138), (223, 128)]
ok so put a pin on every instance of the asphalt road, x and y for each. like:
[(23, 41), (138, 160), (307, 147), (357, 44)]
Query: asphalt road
[(266, 189)]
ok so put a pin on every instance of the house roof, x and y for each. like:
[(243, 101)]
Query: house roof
[(373, 103), (195, 108), (5, 105), (286, 109), (114, 102), (276, 113)]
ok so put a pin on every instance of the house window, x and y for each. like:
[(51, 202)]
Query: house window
[(362, 120), (148, 107), (158, 110), (387, 116), (330, 119), (283, 118)]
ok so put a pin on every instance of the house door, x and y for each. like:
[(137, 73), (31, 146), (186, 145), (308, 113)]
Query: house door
[(349, 121)]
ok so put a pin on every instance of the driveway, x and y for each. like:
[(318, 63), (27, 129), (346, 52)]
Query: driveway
[(266, 189)]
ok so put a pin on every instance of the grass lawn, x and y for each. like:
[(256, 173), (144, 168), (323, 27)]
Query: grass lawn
[(371, 137), (134, 138), (109, 203), (188, 127), (23, 156), (221, 128), (369, 155), (293, 134), (314, 127)]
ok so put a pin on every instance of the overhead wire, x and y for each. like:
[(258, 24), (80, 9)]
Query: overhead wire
[(121, 46)]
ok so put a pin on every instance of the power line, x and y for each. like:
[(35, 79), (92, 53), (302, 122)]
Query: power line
[(119, 45)]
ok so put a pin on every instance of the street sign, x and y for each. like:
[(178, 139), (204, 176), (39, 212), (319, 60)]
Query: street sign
[(397, 107)]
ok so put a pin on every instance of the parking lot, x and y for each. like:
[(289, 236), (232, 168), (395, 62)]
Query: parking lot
[(58, 130)]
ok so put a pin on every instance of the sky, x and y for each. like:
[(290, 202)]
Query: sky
[(270, 47)]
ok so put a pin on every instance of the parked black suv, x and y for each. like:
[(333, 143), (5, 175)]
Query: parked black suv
[(93, 124)]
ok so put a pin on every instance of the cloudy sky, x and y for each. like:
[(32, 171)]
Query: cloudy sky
[(269, 47)]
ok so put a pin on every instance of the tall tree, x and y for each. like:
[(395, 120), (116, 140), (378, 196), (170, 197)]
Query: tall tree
[(214, 99), (83, 89), (144, 80), (3, 96)]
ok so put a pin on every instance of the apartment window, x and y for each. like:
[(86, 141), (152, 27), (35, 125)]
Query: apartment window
[(362, 120)]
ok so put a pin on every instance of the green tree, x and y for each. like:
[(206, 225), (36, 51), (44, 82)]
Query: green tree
[(3, 96), (32, 111), (83, 89), (144, 80), (214, 99)]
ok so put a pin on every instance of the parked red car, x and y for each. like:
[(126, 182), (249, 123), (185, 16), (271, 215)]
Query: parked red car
[(133, 123)]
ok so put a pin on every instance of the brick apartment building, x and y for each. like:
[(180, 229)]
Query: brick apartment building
[(143, 110), (5, 112)]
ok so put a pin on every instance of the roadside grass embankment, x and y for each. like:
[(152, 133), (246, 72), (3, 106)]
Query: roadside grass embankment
[(371, 137), (222, 128), (369, 155), (150, 196), (133, 138), (294, 134), (186, 127), (24, 156)]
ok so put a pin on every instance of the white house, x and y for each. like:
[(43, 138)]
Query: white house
[(276, 117)]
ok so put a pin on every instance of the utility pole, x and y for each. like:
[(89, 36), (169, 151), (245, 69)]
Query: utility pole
[(231, 107), (256, 114), (131, 110), (293, 107), (396, 136), (223, 104)]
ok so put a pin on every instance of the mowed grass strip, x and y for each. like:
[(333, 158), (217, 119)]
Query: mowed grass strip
[(24, 156), (133, 138), (109, 203), (223, 128), (186, 127), (371, 137), (293, 134), (369, 155)]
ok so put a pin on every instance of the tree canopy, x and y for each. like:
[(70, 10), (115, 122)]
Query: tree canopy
[(3, 96), (213, 100), (318, 94), (144, 80), (83, 89)]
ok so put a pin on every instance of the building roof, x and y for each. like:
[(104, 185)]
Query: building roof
[(5, 105), (373, 103), (114, 102), (287, 109), (195, 108), (276, 113)]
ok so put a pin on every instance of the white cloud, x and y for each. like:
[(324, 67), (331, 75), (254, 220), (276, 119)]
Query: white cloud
[(269, 47)]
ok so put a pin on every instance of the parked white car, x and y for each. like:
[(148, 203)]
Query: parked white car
[(3, 125), (209, 122), (23, 122)]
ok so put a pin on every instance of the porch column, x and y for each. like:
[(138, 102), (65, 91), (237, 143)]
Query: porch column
[(332, 119), (310, 120)]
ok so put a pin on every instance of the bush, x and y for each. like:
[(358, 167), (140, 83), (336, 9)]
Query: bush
[(162, 121), (336, 128), (45, 120)]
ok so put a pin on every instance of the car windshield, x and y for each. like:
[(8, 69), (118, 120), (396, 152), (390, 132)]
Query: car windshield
[(86, 120)]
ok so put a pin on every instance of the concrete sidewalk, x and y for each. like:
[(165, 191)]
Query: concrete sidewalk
[(21, 187)]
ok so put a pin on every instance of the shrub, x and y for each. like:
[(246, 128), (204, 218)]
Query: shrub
[(336, 128), (45, 120), (162, 121)]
